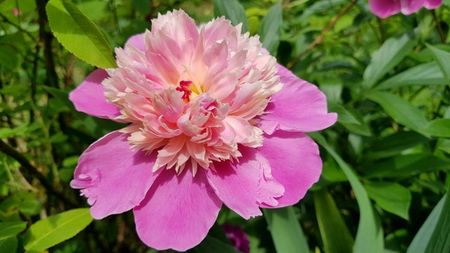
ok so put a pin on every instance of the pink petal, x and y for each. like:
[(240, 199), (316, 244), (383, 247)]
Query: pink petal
[(136, 41), (298, 107), (432, 4), (112, 176), (295, 162), (177, 212), (411, 6), (245, 185), (89, 97), (385, 8)]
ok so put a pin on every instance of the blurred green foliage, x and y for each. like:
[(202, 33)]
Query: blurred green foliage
[(386, 161)]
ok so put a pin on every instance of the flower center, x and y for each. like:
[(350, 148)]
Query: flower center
[(189, 89)]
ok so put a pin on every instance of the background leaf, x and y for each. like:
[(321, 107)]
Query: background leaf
[(286, 232), (57, 228), (78, 34), (400, 110), (232, 10), (387, 57), (392, 197), (271, 28), (433, 235), (369, 237), (335, 234)]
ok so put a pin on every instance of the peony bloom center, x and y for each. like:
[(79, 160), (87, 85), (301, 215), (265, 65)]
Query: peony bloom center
[(193, 94)]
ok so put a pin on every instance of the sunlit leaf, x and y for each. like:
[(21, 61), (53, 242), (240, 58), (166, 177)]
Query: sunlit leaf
[(56, 229), (78, 34)]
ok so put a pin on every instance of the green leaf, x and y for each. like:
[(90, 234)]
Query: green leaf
[(438, 128), (387, 57), (394, 144), (211, 244), (271, 28), (400, 110), (9, 57), (408, 165), (8, 233), (392, 197), (424, 74), (442, 57), (369, 237), (56, 229), (78, 34), (285, 229), (232, 10), (335, 234), (9, 244), (351, 120), (433, 235), (11, 228)]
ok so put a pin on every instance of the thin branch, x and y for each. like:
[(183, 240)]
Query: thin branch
[(46, 38), (319, 39), (438, 26), (18, 27), (34, 172)]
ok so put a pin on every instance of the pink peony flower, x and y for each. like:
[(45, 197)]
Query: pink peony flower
[(238, 238), (386, 8), (211, 119)]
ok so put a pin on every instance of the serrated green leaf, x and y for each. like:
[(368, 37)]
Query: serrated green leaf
[(56, 229), (285, 229), (335, 234), (400, 110), (271, 28), (232, 10), (392, 197), (387, 57), (78, 34)]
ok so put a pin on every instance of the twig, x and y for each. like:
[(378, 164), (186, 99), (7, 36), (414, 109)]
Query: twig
[(18, 27), (34, 172), (321, 37), (438, 26), (46, 38)]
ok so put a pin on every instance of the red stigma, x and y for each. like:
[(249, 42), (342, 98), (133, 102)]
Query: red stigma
[(184, 87)]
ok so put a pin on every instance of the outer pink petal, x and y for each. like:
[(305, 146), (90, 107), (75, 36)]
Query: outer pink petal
[(385, 8), (411, 6), (245, 185), (432, 4), (177, 212), (298, 107), (89, 97), (112, 176), (137, 41), (295, 162)]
